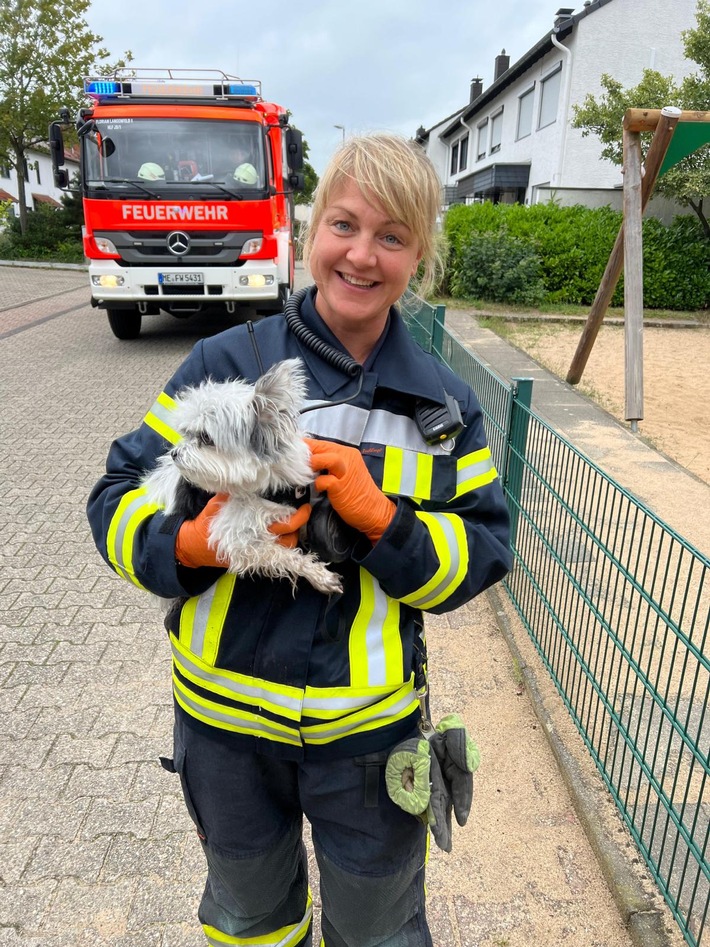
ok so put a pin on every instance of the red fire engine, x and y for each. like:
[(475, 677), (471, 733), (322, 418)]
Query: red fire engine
[(187, 179)]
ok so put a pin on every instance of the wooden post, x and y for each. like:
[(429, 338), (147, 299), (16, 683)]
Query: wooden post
[(666, 122), (633, 278)]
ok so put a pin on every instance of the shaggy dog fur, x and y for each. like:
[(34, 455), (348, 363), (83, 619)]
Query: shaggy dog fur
[(243, 440)]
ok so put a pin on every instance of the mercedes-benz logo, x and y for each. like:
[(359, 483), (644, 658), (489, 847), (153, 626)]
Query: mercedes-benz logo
[(178, 242)]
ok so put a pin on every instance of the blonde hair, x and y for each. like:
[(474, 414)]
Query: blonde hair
[(396, 173)]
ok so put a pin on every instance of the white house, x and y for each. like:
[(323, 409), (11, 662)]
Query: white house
[(513, 142), (39, 180)]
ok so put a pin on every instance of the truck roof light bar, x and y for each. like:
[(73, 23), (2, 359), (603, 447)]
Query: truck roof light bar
[(129, 82)]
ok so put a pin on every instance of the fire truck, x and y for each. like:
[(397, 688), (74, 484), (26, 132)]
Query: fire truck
[(187, 181)]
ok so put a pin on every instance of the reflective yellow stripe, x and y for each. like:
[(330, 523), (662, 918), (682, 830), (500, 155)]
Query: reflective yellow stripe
[(392, 472), (375, 642), (202, 619), (130, 513), (474, 470), (334, 703), (425, 473), (230, 718), (158, 418), (283, 937), (398, 705), (448, 534), (407, 473), (281, 699)]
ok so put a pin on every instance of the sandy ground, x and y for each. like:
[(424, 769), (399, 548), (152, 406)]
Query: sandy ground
[(677, 420)]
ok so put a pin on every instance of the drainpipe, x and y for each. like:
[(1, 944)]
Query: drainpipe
[(564, 105)]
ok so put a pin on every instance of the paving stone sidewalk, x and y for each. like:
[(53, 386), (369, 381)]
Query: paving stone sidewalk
[(95, 846)]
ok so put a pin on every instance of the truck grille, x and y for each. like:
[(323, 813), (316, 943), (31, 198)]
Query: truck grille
[(209, 247)]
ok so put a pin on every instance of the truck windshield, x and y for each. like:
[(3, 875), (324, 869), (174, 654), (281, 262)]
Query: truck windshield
[(158, 153)]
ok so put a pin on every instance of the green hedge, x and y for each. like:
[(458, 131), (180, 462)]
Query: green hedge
[(552, 254), (53, 234)]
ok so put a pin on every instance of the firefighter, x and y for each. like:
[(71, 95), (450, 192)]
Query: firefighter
[(151, 171), (289, 704)]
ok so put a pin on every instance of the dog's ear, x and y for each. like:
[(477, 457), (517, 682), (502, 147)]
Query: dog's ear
[(284, 385)]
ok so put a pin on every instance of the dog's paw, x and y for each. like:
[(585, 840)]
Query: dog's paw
[(325, 581)]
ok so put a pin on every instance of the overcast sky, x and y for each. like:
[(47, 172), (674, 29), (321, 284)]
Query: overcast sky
[(370, 66)]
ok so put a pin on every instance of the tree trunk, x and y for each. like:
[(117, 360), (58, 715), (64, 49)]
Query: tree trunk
[(704, 223), (21, 195)]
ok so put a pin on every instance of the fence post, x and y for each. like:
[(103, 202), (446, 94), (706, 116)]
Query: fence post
[(517, 437), (437, 332)]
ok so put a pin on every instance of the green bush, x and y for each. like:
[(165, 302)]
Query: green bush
[(53, 234), (499, 267), (572, 245)]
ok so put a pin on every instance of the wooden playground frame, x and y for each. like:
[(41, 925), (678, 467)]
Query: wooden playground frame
[(627, 253)]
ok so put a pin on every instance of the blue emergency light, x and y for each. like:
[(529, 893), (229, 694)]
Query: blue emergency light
[(249, 90), (100, 87), (133, 83)]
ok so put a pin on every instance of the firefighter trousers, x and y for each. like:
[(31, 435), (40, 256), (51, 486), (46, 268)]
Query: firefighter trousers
[(248, 811)]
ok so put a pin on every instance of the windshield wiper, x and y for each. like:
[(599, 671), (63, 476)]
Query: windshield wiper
[(139, 187)]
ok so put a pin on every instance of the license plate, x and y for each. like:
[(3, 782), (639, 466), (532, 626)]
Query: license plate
[(181, 278)]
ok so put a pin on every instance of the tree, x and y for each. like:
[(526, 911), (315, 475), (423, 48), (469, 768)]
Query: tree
[(46, 49), (310, 179), (689, 181)]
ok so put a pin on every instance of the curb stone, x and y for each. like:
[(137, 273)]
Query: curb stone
[(41, 265), (636, 906)]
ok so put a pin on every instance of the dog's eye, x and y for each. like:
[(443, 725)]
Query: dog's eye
[(205, 439)]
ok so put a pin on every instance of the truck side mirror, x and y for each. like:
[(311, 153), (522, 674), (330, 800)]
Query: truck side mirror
[(56, 145), (297, 180), (294, 149), (61, 178)]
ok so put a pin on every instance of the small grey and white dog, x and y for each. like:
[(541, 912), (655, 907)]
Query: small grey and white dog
[(243, 440)]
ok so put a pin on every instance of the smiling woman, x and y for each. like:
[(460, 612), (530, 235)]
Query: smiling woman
[(289, 702), (369, 231)]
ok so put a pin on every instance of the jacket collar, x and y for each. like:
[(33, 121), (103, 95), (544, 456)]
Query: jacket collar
[(398, 362)]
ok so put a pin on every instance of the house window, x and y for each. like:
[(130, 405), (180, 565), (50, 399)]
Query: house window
[(525, 113), (37, 171), (463, 153), (4, 170), (549, 96), (482, 146), (455, 158), (496, 132)]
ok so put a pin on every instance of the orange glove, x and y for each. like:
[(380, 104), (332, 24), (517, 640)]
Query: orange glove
[(350, 488), (191, 543), (287, 533)]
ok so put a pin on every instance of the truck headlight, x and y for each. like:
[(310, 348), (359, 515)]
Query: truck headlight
[(256, 279), (108, 280)]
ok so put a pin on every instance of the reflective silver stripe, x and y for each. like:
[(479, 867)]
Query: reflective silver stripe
[(396, 430), (249, 693), (374, 643), (258, 727), (341, 422), (471, 471), (313, 705), (344, 422), (200, 619), (159, 418), (408, 479), (334, 730), (452, 548), (122, 526)]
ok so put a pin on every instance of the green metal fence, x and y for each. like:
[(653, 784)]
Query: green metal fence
[(618, 607)]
